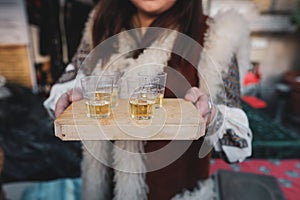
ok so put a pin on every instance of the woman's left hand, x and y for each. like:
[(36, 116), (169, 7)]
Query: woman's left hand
[(201, 101)]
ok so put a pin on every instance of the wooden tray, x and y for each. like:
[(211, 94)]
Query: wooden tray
[(176, 120)]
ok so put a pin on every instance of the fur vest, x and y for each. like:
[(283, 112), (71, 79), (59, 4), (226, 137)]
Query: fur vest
[(226, 37)]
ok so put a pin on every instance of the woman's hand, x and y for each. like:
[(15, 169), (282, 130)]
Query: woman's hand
[(66, 99), (202, 103)]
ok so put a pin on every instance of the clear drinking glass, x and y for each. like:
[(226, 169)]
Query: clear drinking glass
[(142, 93), (161, 79), (116, 75), (142, 102), (97, 93)]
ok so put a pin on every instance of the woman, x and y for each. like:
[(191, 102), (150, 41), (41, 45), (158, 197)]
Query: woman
[(224, 39)]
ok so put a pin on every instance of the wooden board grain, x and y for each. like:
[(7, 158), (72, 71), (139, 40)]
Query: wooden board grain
[(176, 120)]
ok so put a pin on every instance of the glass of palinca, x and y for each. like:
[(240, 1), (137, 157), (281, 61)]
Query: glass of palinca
[(116, 75), (160, 78), (142, 96), (142, 102), (97, 93)]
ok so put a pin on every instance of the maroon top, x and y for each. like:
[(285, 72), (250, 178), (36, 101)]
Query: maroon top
[(187, 170)]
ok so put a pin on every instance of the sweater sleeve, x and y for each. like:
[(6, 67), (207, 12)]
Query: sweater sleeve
[(229, 131), (229, 134)]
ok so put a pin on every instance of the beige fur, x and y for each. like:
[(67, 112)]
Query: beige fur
[(228, 35)]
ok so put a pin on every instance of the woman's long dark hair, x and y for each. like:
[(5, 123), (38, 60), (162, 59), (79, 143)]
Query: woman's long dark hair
[(113, 16)]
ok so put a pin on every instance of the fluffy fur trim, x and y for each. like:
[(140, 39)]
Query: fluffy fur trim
[(129, 171), (95, 176), (227, 36), (205, 190)]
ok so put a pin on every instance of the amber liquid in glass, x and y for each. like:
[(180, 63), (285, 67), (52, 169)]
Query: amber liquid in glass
[(141, 109), (115, 97), (98, 106), (159, 101)]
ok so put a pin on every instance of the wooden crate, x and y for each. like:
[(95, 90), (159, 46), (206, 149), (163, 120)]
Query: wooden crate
[(177, 120), (16, 65), (16, 61)]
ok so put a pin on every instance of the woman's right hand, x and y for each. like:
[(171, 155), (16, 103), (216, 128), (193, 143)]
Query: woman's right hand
[(66, 99)]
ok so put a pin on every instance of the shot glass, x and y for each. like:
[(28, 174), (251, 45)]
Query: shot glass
[(160, 81), (142, 103), (132, 86), (115, 75), (97, 93)]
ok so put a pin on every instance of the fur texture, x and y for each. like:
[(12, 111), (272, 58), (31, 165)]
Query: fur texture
[(96, 183), (129, 171), (205, 190), (227, 36)]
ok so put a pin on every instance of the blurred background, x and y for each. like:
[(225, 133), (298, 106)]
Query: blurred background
[(39, 38)]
